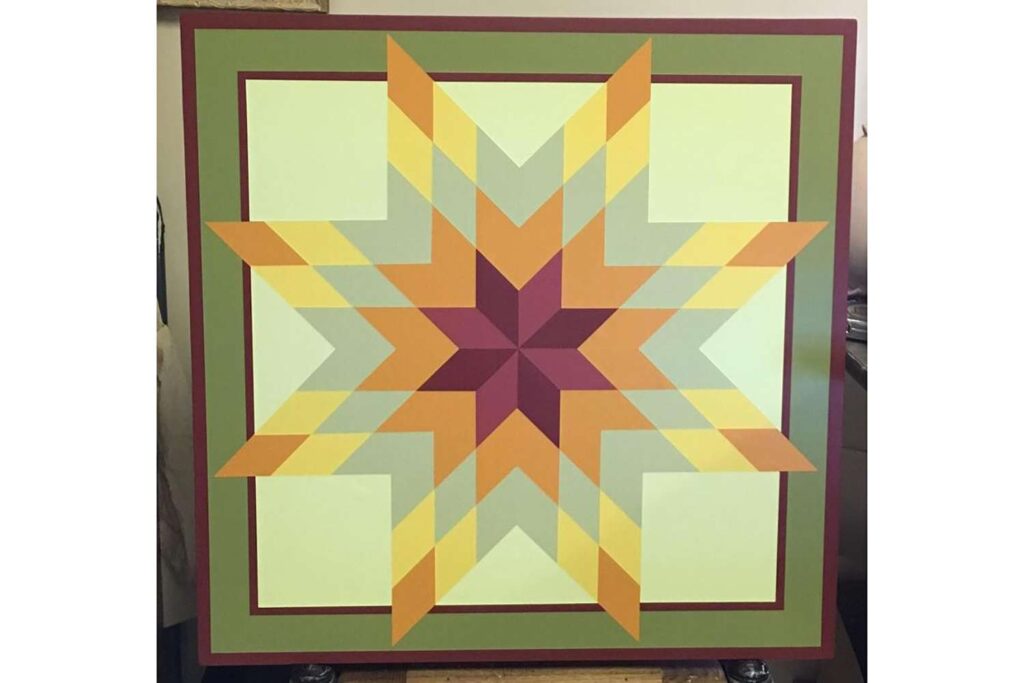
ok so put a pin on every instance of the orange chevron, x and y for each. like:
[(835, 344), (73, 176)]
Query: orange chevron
[(519, 252), (517, 443), (618, 594), (449, 280), (451, 415), (587, 282), (412, 597), (256, 243), (629, 89), (768, 450), (420, 348), (614, 348), (261, 455), (410, 88), (777, 243), (585, 414)]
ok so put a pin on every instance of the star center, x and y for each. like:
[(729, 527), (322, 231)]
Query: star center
[(518, 348)]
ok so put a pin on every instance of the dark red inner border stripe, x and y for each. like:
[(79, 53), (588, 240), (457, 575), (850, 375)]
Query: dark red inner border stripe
[(473, 76), (780, 572)]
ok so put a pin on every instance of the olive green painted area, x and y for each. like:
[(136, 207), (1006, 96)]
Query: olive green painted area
[(220, 54)]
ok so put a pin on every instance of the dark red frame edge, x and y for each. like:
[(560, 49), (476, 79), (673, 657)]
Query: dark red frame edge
[(846, 28), (779, 603)]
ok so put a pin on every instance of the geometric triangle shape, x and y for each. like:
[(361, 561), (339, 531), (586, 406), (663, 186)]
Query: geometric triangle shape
[(362, 412), (319, 243), (260, 456), (630, 238), (670, 287), (286, 350), (363, 286), (519, 117), (402, 237), (358, 348), (410, 88), (708, 450), (674, 349), (748, 348), (626, 456), (768, 450), (516, 571), (666, 409), (303, 412), (321, 454), (519, 190), (587, 282), (618, 593), (408, 460), (731, 287)]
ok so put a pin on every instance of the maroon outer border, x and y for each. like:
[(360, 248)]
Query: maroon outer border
[(844, 189), (637, 656), (395, 22), (846, 28), (795, 83), (195, 287)]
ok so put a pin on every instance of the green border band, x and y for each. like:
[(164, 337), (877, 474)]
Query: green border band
[(221, 54)]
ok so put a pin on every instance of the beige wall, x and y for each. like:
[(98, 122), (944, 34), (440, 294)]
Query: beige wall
[(170, 176), (170, 153)]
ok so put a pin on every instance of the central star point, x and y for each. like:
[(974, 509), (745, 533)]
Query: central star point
[(518, 348)]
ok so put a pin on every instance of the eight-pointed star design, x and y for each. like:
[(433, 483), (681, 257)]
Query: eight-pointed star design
[(518, 348), (516, 343)]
